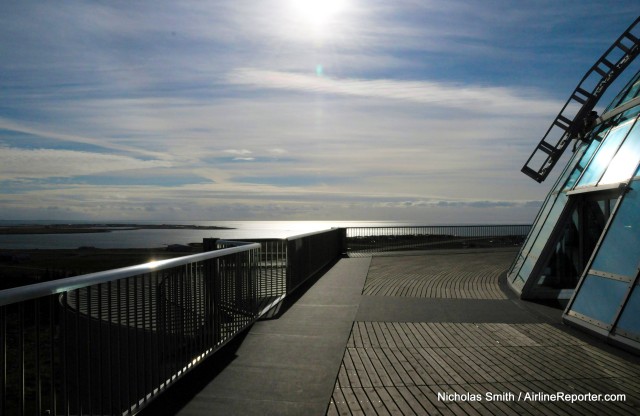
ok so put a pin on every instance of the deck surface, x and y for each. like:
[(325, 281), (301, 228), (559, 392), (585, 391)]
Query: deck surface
[(388, 334)]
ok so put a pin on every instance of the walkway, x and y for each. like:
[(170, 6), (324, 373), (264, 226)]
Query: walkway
[(419, 325)]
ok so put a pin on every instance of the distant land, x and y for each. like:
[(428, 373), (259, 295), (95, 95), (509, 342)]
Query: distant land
[(98, 228)]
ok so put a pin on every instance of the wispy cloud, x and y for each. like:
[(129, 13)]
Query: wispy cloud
[(52, 134), (472, 98), (44, 163), (425, 110)]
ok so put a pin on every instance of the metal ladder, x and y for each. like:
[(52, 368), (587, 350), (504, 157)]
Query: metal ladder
[(577, 115)]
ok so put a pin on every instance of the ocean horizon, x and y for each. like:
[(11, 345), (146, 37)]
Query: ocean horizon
[(153, 238)]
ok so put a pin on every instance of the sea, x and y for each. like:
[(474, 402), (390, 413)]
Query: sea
[(152, 238)]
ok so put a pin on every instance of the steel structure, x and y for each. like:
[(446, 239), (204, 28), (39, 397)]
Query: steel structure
[(577, 116)]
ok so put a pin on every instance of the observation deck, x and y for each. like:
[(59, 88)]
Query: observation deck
[(415, 320), (386, 334)]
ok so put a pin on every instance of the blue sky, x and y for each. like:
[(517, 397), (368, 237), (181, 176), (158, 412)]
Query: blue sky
[(286, 110)]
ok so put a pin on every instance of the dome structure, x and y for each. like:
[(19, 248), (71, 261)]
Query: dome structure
[(584, 246)]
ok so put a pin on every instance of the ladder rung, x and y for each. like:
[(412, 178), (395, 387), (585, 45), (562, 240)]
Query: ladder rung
[(578, 99), (562, 119), (607, 63), (629, 45), (587, 95), (622, 46), (532, 174), (600, 71), (632, 38), (546, 147)]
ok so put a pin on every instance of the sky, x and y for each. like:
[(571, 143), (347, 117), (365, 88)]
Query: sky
[(421, 111)]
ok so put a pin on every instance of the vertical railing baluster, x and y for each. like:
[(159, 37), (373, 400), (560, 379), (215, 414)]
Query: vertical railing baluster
[(52, 356), (145, 352), (173, 331), (64, 325), (36, 324), (3, 360), (152, 331), (136, 359), (77, 351), (110, 334), (127, 345), (22, 358), (120, 378), (100, 386), (161, 322), (89, 351)]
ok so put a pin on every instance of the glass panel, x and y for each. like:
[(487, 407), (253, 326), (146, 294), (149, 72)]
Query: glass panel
[(526, 267), (570, 167), (599, 298), (562, 269), (626, 160), (549, 224), (585, 159), (619, 252), (539, 242), (581, 232), (629, 92), (604, 155), (633, 92), (630, 318), (633, 112)]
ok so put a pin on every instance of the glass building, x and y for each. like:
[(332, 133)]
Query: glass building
[(584, 246)]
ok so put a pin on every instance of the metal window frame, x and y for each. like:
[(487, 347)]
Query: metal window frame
[(608, 331)]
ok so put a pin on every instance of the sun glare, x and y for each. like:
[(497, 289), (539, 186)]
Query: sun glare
[(317, 12)]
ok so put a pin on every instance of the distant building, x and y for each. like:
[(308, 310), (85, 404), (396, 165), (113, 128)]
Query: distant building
[(584, 246), (179, 248)]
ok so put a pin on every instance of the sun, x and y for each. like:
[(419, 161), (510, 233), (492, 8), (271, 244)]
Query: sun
[(317, 12)]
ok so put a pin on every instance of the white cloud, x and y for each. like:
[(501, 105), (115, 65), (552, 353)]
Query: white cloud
[(45, 163), (472, 98), (52, 134), (238, 151)]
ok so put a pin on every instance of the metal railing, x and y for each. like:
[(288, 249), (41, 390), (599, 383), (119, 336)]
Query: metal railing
[(284, 264), (365, 240), (110, 342)]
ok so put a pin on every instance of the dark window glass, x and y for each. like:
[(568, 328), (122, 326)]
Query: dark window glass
[(619, 252), (580, 233), (599, 298), (539, 235), (630, 318)]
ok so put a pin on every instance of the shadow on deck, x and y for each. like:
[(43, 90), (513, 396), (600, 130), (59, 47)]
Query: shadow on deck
[(412, 333)]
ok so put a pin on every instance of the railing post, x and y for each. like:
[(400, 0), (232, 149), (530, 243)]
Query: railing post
[(210, 244), (212, 289), (3, 360), (342, 237)]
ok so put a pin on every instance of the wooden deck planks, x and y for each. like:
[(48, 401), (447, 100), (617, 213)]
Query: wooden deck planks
[(399, 368), (458, 276)]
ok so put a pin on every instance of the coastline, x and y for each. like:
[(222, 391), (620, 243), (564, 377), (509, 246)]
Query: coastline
[(27, 229)]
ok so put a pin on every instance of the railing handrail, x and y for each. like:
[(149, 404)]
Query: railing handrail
[(309, 234), (22, 293), (445, 226)]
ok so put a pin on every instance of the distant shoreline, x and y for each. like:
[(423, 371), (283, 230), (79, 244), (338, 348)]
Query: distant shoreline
[(98, 228)]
